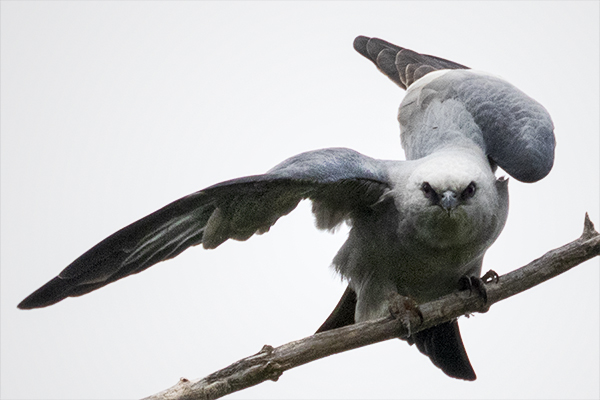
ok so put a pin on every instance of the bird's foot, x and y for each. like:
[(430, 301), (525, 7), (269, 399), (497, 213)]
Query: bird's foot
[(406, 310), (473, 283)]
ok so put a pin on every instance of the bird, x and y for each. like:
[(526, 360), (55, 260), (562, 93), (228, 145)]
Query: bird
[(419, 227)]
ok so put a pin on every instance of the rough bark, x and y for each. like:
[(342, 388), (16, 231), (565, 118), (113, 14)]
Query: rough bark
[(270, 363)]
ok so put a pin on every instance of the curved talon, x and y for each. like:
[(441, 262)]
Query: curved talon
[(473, 282), (464, 283), (490, 276), (267, 348)]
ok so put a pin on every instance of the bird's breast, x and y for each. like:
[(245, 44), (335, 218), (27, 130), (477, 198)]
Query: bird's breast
[(441, 229)]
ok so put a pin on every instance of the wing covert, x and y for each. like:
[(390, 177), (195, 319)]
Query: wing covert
[(513, 130)]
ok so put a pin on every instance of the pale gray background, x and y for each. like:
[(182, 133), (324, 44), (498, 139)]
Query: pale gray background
[(111, 110)]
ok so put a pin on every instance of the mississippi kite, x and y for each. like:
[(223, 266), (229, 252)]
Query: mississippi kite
[(418, 227)]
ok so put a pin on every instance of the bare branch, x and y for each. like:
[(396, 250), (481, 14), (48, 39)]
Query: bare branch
[(270, 363)]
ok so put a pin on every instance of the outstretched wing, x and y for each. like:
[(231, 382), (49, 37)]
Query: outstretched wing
[(338, 181), (402, 66), (455, 103)]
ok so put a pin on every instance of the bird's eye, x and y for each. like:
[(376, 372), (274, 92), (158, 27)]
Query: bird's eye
[(469, 191), (426, 188), (428, 191)]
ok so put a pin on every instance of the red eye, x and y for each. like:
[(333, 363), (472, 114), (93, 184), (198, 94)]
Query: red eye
[(426, 188), (469, 191), (428, 191)]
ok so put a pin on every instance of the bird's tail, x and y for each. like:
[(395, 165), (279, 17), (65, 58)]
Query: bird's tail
[(444, 347), (441, 343), (343, 314)]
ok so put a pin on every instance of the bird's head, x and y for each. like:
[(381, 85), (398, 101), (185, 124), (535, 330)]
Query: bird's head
[(455, 200)]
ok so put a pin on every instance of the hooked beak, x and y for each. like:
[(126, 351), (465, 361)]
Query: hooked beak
[(449, 200)]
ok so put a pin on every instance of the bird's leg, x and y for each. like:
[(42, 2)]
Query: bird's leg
[(406, 310)]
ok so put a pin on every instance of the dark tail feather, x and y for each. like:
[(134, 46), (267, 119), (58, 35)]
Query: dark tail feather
[(443, 344), (343, 314)]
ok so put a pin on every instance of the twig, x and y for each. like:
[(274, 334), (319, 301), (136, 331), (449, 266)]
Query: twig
[(270, 363)]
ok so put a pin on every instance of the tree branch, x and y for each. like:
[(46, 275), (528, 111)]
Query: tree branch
[(270, 363)]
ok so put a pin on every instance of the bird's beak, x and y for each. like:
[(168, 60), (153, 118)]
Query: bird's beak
[(449, 200)]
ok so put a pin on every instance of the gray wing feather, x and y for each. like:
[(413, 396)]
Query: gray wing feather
[(517, 130), (513, 130), (337, 180)]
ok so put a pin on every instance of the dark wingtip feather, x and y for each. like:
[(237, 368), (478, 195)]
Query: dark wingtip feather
[(360, 45), (386, 63), (401, 65), (52, 292), (381, 53)]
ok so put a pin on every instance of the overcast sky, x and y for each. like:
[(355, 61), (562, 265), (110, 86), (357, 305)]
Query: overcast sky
[(111, 110)]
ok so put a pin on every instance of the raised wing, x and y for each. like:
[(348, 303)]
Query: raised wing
[(338, 181), (402, 66), (447, 107)]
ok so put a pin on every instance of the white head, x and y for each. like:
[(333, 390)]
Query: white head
[(453, 198)]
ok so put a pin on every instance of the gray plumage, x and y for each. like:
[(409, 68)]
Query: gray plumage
[(417, 226)]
